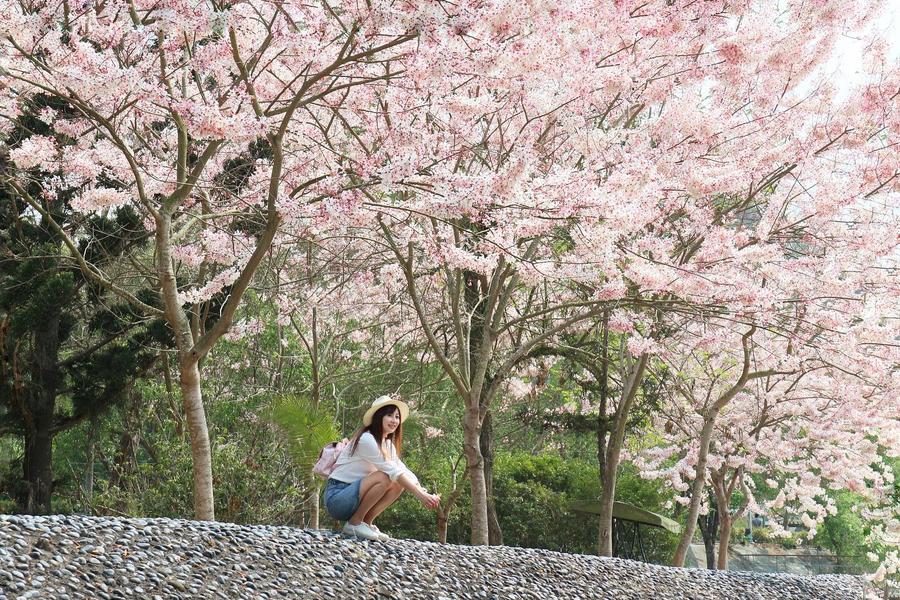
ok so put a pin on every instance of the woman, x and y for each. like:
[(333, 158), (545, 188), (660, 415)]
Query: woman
[(369, 475)]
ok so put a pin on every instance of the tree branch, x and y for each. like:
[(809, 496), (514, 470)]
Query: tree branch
[(89, 270), (406, 264)]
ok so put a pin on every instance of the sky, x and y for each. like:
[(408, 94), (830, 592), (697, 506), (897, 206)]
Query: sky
[(847, 64)]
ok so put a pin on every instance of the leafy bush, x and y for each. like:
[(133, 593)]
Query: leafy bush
[(532, 495)]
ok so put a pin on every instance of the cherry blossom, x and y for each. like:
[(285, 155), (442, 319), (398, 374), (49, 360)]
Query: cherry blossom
[(497, 172)]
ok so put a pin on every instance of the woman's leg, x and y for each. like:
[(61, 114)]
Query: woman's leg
[(372, 488), (394, 492)]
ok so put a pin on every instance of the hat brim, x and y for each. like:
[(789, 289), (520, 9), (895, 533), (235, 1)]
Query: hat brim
[(404, 410)]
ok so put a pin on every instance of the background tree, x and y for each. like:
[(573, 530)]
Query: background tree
[(69, 350), (308, 427), (166, 122), (787, 420)]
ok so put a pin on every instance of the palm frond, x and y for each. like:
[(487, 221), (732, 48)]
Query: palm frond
[(306, 428)]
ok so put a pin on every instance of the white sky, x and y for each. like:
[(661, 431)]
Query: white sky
[(847, 65)]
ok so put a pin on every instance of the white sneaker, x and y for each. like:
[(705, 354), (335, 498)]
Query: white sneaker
[(384, 536), (361, 531)]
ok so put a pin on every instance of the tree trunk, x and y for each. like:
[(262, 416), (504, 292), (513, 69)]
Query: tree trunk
[(475, 462), (603, 532), (199, 435), (87, 486), (613, 455), (316, 489), (607, 498), (446, 507), (495, 533), (478, 351), (709, 526), (723, 495), (690, 524), (188, 371), (443, 519), (486, 443), (709, 422), (725, 525), (443, 513), (37, 465), (603, 430)]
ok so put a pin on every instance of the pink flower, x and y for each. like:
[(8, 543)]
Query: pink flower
[(35, 151), (517, 388), (732, 53), (97, 199), (433, 432), (638, 345)]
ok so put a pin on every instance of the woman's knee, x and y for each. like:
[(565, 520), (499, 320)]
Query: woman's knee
[(378, 479), (381, 478)]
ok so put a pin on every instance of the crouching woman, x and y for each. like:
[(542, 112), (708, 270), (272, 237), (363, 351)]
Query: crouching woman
[(369, 476)]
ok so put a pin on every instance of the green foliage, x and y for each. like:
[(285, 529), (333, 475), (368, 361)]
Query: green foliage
[(47, 292), (255, 479), (533, 493), (845, 533), (10, 472), (111, 235), (307, 428)]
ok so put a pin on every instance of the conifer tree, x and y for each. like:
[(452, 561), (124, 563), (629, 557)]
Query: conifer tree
[(67, 350)]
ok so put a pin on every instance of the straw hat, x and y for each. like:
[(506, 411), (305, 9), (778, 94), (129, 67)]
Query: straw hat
[(385, 401)]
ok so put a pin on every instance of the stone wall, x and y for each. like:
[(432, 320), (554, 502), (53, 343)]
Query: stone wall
[(86, 557)]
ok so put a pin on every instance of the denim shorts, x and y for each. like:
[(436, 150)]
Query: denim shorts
[(342, 498)]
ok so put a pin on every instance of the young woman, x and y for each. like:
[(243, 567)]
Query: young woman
[(369, 475)]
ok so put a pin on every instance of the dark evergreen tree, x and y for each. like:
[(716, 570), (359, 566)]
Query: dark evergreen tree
[(68, 349)]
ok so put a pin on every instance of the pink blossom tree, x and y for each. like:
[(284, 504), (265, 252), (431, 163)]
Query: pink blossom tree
[(529, 165), (808, 412), (667, 179), (210, 119)]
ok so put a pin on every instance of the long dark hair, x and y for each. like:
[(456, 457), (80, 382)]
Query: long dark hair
[(377, 431)]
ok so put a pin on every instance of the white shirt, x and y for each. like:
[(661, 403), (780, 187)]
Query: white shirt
[(367, 459)]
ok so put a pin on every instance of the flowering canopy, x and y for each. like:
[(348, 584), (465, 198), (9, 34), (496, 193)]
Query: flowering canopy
[(660, 158)]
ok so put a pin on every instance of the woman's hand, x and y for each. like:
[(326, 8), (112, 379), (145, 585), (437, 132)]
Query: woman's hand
[(431, 501)]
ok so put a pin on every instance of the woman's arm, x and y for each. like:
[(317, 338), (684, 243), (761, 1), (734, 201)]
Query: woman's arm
[(409, 481), (395, 469)]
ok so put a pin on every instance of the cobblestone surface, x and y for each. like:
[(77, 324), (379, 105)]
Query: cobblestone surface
[(87, 557)]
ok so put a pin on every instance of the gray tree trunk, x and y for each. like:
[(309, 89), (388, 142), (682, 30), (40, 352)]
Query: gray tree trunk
[(613, 455), (475, 463), (37, 464), (690, 524), (314, 502), (201, 454), (709, 527), (495, 533)]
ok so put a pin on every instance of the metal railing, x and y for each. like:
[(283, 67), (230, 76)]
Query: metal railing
[(888, 589)]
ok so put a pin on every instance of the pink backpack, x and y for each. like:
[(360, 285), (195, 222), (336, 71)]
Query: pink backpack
[(324, 466)]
